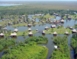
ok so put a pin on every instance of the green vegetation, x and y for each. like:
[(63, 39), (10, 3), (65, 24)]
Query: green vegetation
[(48, 16), (74, 45), (75, 26), (24, 33), (35, 8), (60, 30), (63, 51), (38, 40), (4, 43), (26, 51)]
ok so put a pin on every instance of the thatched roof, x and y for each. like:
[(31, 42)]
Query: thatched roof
[(55, 46), (1, 34), (16, 29), (14, 34), (43, 31), (55, 32), (30, 33), (53, 26), (29, 29), (74, 30), (66, 32), (62, 20), (5, 28), (46, 27)]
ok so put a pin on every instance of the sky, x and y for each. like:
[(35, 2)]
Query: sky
[(38, 0)]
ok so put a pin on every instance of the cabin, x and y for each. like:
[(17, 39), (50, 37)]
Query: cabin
[(55, 46), (5, 28), (62, 21), (66, 33), (46, 28), (43, 33), (1, 34), (51, 22), (71, 28), (30, 34), (36, 29), (29, 29), (69, 18), (16, 30), (9, 23), (55, 33), (29, 25), (13, 34), (74, 31), (53, 26)]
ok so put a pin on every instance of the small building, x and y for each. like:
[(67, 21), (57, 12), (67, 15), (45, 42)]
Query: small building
[(5, 28), (55, 46), (66, 33), (53, 26), (46, 28), (43, 33), (36, 29), (29, 25), (16, 30), (1, 34), (9, 23), (13, 34), (55, 33), (62, 21), (30, 34), (69, 17), (74, 31), (29, 29), (71, 28), (51, 22)]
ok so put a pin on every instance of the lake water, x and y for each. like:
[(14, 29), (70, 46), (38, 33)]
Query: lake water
[(50, 44), (9, 4)]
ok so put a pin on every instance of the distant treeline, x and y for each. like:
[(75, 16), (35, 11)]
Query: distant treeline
[(23, 9)]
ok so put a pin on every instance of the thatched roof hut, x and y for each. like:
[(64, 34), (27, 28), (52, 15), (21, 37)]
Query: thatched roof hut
[(62, 21), (71, 28), (30, 34), (55, 46), (1, 34), (29, 29), (43, 33), (29, 25), (36, 29), (16, 30), (46, 27), (66, 33), (55, 33), (74, 31), (5, 28), (13, 34), (53, 26)]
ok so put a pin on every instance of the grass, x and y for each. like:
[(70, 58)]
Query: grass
[(74, 17), (24, 33), (20, 24), (38, 40), (60, 30), (26, 51), (4, 43), (74, 45), (48, 16), (63, 51)]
